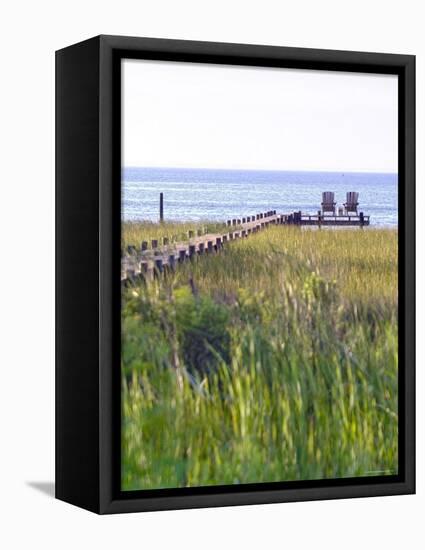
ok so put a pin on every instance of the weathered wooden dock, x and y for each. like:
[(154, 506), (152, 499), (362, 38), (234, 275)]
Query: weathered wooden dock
[(319, 219), (150, 259)]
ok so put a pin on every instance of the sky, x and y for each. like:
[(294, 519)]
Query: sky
[(196, 115)]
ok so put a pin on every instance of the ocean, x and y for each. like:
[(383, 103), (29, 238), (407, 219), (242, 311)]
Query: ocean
[(207, 194)]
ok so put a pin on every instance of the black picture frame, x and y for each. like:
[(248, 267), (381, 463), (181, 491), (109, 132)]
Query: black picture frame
[(88, 173)]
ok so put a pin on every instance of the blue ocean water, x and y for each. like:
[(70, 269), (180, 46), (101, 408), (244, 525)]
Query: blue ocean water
[(195, 194)]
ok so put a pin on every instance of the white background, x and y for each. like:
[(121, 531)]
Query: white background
[(30, 31)]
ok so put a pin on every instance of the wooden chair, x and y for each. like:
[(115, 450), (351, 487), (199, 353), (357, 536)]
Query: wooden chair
[(352, 202), (328, 202)]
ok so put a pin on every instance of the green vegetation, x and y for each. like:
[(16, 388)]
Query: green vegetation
[(273, 360)]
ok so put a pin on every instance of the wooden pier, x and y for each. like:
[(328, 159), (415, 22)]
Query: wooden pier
[(319, 219), (151, 259), (146, 262)]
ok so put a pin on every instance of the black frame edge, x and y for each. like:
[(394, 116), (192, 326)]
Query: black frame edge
[(253, 52), (77, 281), (409, 267)]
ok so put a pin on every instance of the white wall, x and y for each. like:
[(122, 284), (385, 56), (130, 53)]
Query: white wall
[(30, 32)]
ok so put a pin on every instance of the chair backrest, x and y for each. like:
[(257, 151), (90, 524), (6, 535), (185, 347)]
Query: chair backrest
[(352, 198), (328, 198)]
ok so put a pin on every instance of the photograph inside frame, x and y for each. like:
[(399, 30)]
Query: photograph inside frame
[(259, 275)]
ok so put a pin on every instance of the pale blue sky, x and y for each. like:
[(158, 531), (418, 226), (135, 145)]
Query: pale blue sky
[(223, 116)]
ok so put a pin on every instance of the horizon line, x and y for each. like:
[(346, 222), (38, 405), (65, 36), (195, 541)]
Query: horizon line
[(262, 169)]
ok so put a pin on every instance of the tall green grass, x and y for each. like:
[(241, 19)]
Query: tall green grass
[(274, 360)]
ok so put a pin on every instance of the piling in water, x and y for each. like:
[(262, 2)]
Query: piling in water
[(161, 207)]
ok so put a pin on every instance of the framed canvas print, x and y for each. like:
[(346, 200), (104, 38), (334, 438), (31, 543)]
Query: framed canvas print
[(235, 274)]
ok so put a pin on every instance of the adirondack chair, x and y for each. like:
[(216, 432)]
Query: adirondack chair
[(352, 202), (328, 203)]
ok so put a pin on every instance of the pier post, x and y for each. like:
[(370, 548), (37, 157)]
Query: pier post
[(143, 271), (158, 266), (161, 207), (130, 275), (171, 262), (192, 250)]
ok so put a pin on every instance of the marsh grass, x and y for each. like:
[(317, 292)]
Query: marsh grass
[(278, 362)]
